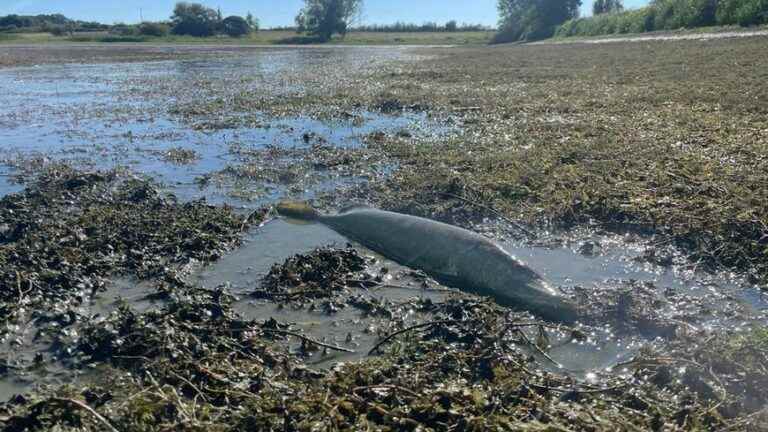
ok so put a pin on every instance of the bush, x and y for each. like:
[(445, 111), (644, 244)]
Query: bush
[(235, 26), (670, 15), (194, 19), (751, 12), (533, 19), (57, 30), (124, 30), (675, 14), (153, 29)]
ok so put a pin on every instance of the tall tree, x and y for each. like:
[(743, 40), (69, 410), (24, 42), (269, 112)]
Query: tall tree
[(600, 7), (253, 22), (194, 19), (324, 18), (533, 19)]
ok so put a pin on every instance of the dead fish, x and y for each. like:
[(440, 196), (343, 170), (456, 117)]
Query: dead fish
[(452, 255)]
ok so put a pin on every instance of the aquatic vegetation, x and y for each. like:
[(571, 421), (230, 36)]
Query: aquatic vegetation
[(315, 275), (180, 156), (196, 365), (574, 139), (69, 231), (667, 139)]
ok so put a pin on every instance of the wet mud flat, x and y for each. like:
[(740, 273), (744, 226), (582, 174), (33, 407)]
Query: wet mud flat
[(14, 55), (144, 307)]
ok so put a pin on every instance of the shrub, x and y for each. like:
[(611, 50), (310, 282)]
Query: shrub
[(751, 12), (153, 29), (124, 30), (235, 26), (675, 14), (533, 19), (670, 15), (57, 30)]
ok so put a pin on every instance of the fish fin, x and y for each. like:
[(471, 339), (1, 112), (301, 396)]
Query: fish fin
[(353, 207), (297, 210)]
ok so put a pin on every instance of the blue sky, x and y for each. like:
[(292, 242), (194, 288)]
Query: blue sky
[(270, 12)]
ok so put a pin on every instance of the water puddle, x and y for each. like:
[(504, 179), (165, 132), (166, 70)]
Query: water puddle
[(137, 116), (596, 262), (243, 270), (614, 262)]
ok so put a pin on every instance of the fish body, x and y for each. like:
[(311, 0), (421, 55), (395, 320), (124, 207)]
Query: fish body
[(452, 255)]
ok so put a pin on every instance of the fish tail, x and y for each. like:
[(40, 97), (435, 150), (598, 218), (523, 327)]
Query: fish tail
[(297, 210)]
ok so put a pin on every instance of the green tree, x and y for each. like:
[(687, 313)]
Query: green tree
[(235, 26), (324, 18), (600, 7), (253, 23), (451, 26), (533, 19), (193, 19)]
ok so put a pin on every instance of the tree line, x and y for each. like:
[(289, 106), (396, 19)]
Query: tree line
[(427, 27), (193, 19), (54, 23), (522, 20), (320, 19), (669, 15)]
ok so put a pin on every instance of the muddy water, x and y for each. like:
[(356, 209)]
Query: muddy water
[(616, 262), (243, 270)]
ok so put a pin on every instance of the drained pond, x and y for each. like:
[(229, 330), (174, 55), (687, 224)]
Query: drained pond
[(141, 249)]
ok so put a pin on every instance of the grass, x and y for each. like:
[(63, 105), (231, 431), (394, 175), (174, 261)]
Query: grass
[(268, 37)]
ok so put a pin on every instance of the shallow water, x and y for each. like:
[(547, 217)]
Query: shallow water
[(105, 116), (272, 244), (125, 116), (621, 260), (616, 262), (122, 115)]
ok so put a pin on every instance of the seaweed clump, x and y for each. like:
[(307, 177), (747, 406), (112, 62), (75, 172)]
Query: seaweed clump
[(196, 365), (69, 230), (319, 274)]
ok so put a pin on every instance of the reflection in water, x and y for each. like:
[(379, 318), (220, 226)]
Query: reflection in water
[(122, 115)]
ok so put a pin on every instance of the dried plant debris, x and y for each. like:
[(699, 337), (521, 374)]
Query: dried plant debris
[(316, 275), (195, 365), (319, 167), (179, 156), (583, 134), (69, 232)]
